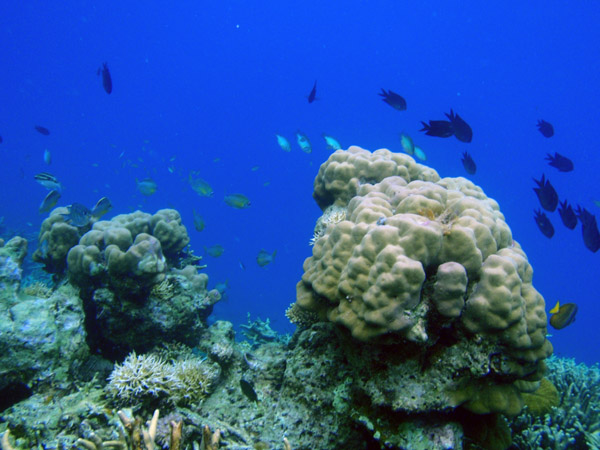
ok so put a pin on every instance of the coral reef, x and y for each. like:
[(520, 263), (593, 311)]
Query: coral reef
[(427, 265), (137, 290), (332, 215), (574, 422), (419, 328), (310, 390)]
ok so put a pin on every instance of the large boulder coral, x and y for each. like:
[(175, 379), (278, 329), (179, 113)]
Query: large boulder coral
[(429, 262)]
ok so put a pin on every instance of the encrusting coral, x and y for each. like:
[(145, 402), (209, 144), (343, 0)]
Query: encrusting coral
[(421, 259)]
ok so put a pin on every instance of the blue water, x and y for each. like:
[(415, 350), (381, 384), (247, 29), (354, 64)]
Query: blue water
[(210, 83)]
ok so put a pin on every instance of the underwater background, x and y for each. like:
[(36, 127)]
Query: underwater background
[(206, 86)]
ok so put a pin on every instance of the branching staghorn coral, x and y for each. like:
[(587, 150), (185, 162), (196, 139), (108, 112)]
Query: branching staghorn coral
[(575, 423)]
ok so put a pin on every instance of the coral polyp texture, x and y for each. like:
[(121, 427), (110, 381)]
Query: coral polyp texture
[(431, 262)]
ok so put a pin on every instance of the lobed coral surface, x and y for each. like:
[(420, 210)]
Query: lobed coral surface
[(430, 262)]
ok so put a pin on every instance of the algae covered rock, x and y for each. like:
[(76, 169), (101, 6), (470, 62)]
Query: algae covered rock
[(12, 254), (175, 310), (430, 263), (42, 338)]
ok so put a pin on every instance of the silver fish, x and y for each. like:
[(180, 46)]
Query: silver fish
[(48, 180), (49, 201), (102, 207), (303, 142), (332, 143), (283, 143)]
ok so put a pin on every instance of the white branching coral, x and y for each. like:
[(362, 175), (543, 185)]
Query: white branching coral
[(148, 375), (141, 375), (194, 378)]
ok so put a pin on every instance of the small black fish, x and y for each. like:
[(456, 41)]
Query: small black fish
[(106, 78), (42, 130), (462, 130), (543, 223), (589, 229), (394, 100), (438, 128), (469, 164), (567, 215), (1, 139), (313, 93), (562, 163), (248, 390), (546, 194), (545, 128)]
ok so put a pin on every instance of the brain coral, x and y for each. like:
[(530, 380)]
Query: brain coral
[(416, 254)]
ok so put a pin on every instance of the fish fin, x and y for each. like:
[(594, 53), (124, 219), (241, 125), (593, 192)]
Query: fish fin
[(555, 309), (274, 254)]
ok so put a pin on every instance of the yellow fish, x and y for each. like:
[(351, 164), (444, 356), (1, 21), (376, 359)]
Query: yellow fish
[(237, 201)]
